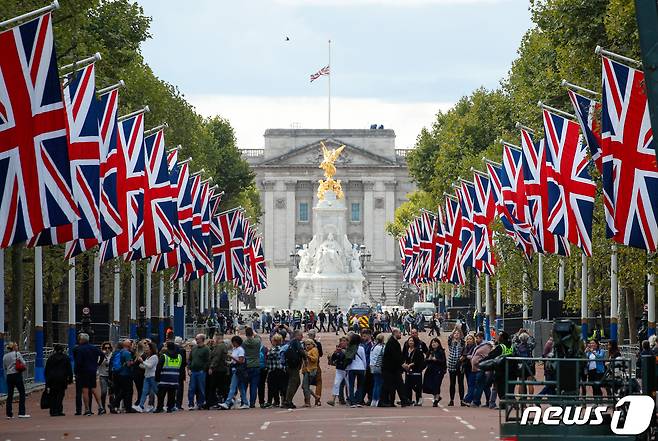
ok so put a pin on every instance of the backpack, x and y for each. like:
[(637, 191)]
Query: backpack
[(293, 358), (115, 361)]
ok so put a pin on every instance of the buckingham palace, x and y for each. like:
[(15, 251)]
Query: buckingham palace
[(375, 181)]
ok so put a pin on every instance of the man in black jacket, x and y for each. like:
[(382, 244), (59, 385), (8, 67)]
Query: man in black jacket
[(58, 376), (392, 371)]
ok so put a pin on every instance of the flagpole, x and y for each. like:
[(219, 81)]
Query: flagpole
[(329, 89)]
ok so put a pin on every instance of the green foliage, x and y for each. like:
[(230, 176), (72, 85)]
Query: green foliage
[(116, 29), (559, 46)]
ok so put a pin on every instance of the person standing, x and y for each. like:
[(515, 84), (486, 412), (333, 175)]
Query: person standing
[(59, 375), (310, 371), (104, 372), (375, 366), (392, 371), (322, 317), (455, 372), (481, 352), (465, 360), (294, 357), (252, 345), (276, 374), (87, 358), (149, 365), (123, 378), (180, 392), (414, 363), (238, 375), (337, 359), (318, 379), (199, 361), (436, 369), (366, 343), (355, 370), (167, 372), (218, 374)]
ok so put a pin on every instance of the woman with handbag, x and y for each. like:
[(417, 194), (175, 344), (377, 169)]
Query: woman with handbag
[(456, 374), (14, 365), (310, 372), (59, 375)]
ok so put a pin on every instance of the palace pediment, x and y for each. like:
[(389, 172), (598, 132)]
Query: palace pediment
[(311, 154)]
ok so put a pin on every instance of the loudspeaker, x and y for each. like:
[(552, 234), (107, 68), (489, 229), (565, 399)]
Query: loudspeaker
[(554, 309), (540, 303)]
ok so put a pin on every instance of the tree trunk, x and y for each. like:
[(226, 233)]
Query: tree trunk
[(17, 307), (631, 311)]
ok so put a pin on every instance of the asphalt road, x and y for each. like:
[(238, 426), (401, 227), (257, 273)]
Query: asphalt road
[(317, 423)]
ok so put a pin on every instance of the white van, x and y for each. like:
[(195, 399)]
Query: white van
[(426, 308)]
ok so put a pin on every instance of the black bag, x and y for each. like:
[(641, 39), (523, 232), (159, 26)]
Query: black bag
[(45, 399), (492, 363)]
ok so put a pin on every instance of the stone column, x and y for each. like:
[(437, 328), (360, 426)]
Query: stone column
[(291, 210), (389, 242), (268, 223), (368, 214)]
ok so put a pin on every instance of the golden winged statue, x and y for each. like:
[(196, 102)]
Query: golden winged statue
[(327, 164)]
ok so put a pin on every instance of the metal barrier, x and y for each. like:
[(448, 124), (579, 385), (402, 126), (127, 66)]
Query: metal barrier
[(630, 352)]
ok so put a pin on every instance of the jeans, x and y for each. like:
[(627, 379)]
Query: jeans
[(480, 386), (338, 380), (197, 387), (378, 381), (233, 389), (352, 376), (15, 381), (276, 386), (104, 382), (150, 388), (470, 382), (254, 380)]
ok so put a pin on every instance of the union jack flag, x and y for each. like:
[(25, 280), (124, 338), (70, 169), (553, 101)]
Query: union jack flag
[(182, 253), (34, 158), (571, 189), (110, 218), (155, 233), (84, 156), (131, 177), (631, 178), (585, 109), (535, 176), (467, 199), (483, 216), (433, 264), (514, 198), (426, 245), (258, 266), (495, 172), (454, 269), (324, 71), (228, 246), (406, 254)]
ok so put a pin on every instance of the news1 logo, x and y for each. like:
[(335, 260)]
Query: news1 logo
[(636, 419)]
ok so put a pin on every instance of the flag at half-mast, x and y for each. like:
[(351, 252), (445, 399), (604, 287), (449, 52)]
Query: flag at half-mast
[(324, 71)]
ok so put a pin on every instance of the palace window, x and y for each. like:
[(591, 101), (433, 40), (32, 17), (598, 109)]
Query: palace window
[(303, 212), (355, 212)]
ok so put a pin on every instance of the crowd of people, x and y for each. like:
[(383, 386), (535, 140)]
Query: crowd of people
[(372, 368), (331, 320)]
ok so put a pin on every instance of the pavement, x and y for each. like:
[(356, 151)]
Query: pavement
[(323, 423)]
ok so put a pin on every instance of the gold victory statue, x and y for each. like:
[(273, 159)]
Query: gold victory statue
[(327, 164)]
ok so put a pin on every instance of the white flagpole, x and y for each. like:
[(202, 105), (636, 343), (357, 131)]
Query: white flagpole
[(329, 88)]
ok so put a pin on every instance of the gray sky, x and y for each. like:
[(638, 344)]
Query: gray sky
[(393, 62)]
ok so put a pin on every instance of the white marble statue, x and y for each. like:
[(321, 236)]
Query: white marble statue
[(329, 257)]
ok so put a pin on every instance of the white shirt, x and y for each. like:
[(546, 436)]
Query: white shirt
[(359, 362), (236, 354), (149, 366)]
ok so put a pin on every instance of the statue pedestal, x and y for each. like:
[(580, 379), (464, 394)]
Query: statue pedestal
[(329, 267)]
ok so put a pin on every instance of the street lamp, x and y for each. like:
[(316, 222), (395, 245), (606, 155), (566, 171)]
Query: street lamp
[(383, 292)]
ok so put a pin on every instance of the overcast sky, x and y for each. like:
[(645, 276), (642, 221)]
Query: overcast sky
[(393, 62)]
